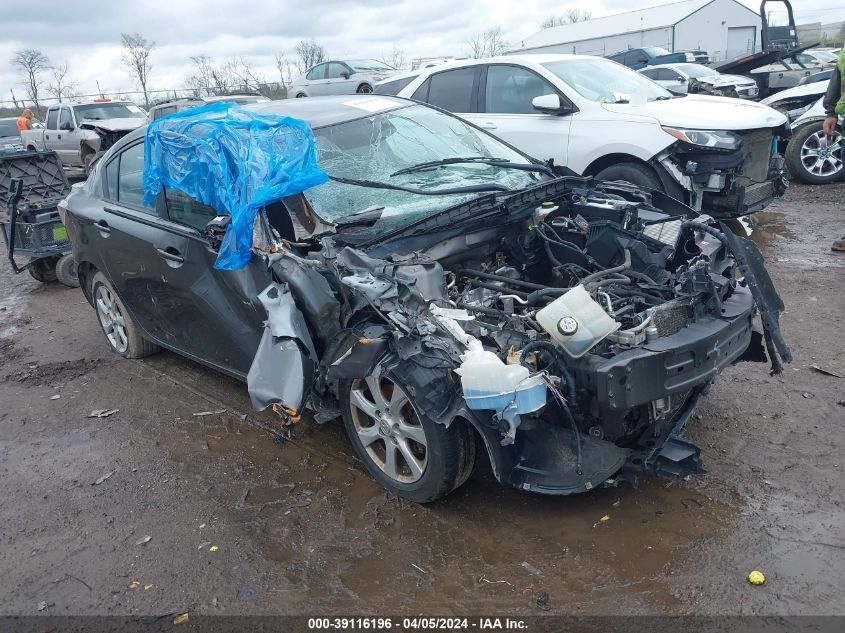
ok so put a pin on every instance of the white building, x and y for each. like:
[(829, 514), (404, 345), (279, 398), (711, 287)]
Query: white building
[(724, 28)]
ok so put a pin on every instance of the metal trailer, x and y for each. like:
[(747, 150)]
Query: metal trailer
[(31, 186)]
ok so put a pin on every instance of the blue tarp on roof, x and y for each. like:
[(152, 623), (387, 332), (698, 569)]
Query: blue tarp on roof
[(233, 159)]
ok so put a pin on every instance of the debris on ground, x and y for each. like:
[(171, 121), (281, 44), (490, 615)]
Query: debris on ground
[(148, 586), (144, 540), (283, 437), (527, 591), (543, 601), (102, 478), (55, 397), (829, 372), (204, 544), (604, 519), (806, 395), (213, 548), (756, 577), (134, 584), (102, 413), (247, 593), (201, 414), (419, 568), (181, 618), (494, 582), (42, 605), (530, 568)]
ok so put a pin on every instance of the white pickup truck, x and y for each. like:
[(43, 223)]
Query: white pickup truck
[(80, 132)]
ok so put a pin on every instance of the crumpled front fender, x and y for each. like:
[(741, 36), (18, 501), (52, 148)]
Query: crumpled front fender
[(283, 369)]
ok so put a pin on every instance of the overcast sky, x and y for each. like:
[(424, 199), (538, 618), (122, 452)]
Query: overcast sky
[(86, 34)]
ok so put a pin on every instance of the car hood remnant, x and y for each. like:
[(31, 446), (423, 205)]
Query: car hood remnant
[(234, 160), (574, 325)]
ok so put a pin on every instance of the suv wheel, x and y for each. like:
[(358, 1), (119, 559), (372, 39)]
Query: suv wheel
[(810, 159), (404, 450), (634, 173), (121, 332), (364, 89)]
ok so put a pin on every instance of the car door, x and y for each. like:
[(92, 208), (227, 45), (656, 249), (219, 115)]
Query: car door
[(339, 80), (315, 80), (213, 315), (68, 138), (506, 93), (452, 90), (51, 130)]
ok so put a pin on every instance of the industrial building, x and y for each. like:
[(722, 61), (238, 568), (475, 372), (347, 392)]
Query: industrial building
[(725, 28)]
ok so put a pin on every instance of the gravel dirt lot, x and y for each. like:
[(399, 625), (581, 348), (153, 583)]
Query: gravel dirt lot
[(241, 519)]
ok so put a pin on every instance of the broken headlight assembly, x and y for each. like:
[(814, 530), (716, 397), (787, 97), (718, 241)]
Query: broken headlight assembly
[(715, 140)]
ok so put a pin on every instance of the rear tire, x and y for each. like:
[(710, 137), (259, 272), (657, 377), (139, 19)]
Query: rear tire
[(123, 336), (44, 269), (634, 173), (66, 271), (301, 95), (809, 159), (364, 89), (403, 449)]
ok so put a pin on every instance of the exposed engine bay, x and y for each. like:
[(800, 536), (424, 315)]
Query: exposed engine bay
[(574, 325)]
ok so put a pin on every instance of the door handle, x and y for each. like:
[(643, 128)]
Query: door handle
[(103, 227), (46, 136), (488, 125), (59, 136), (171, 256)]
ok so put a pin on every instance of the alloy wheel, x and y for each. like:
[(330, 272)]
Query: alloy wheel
[(821, 158), (111, 318), (389, 428)]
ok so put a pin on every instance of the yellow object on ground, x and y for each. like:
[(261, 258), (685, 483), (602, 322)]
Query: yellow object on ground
[(179, 619), (756, 578), (213, 548)]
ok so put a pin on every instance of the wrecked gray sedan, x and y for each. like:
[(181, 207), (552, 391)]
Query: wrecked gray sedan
[(443, 294)]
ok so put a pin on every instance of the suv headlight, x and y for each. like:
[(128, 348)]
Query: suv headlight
[(710, 139)]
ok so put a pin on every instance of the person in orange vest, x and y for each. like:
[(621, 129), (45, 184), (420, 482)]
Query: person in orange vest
[(25, 120)]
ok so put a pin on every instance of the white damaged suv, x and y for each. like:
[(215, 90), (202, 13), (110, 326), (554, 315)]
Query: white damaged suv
[(599, 118)]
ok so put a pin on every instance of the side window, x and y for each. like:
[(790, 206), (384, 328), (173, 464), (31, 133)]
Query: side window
[(393, 87), (111, 178), (160, 112), (635, 57), (619, 57), (183, 209), (421, 93), (130, 177), (318, 72), (65, 119), (452, 90), (667, 74), (52, 119), (336, 70), (510, 90), (652, 73)]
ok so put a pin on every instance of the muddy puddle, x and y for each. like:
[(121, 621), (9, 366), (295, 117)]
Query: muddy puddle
[(309, 507)]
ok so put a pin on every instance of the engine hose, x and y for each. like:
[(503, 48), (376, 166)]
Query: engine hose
[(468, 272), (609, 271), (567, 245), (692, 224), (551, 348)]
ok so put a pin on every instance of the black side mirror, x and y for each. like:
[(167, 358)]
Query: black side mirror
[(346, 74)]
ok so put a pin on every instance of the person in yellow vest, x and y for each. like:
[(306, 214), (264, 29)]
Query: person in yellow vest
[(25, 120), (834, 107)]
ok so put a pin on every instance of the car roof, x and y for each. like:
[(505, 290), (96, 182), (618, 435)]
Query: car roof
[(316, 111), (675, 65)]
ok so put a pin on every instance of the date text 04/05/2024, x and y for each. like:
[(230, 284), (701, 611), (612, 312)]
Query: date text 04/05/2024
[(416, 624)]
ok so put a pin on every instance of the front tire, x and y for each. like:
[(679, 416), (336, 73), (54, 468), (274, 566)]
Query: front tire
[(634, 173), (44, 269), (121, 332), (301, 95), (364, 89), (810, 159), (402, 448)]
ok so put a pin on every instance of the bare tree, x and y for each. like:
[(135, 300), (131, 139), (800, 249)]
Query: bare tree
[(136, 57), (14, 99), (487, 44), (32, 63), (283, 66), (244, 75), (208, 79), (394, 58), (62, 85), (309, 53), (570, 16)]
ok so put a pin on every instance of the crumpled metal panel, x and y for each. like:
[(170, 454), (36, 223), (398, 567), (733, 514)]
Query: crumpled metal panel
[(282, 370)]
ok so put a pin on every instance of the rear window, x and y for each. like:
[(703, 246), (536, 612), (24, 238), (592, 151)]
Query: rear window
[(393, 87), (8, 127)]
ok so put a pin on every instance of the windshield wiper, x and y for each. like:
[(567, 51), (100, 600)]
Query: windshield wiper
[(484, 160), (423, 192)]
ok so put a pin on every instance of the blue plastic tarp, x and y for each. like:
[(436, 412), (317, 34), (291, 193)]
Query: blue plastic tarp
[(233, 159)]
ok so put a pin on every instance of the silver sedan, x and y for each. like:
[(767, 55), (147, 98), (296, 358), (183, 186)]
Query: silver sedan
[(340, 77)]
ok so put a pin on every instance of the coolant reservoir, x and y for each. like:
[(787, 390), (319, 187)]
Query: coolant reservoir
[(576, 322), (488, 383)]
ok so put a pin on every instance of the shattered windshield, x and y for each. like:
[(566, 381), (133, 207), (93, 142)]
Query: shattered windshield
[(606, 81), (103, 111), (374, 148)]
